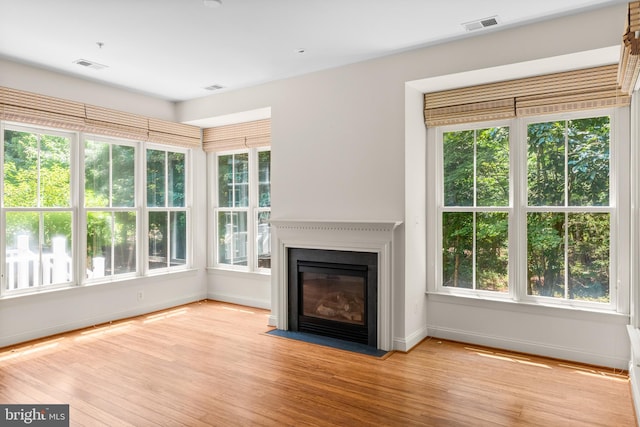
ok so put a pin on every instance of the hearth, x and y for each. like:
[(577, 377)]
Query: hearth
[(333, 293)]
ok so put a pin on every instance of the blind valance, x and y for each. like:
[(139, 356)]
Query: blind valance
[(237, 136), (26, 107), (559, 92)]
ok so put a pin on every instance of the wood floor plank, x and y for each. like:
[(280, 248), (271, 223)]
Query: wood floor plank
[(212, 364)]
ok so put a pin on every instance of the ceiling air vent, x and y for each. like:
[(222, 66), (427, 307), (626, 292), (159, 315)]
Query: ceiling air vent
[(90, 64), (214, 87), (481, 23)]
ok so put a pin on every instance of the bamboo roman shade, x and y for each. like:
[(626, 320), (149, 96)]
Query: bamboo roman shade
[(629, 66), (237, 136), (552, 93), (26, 107)]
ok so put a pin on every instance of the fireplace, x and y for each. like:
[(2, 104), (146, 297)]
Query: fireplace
[(375, 238), (334, 293)]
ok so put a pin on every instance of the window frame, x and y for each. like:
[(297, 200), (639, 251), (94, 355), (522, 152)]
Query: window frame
[(252, 211), (78, 211), (84, 209), (619, 182), (186, 209), (71, 209)]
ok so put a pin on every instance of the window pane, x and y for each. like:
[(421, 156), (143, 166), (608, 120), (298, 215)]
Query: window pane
[(264, 240), (232, 238), (545, 254), (22, 249), (55, 171), (178, 238), (96, 174), (124, 242), (56, 248), (99, 238), (158, 240), (241, 180), (123, 176), (546, 164), (264, 179), (176, 179), (458, 168), (492, 151), (457, 249), (156, 178), (492, 251), (20, 169), (588, 162), (225, 181), (588, 252), (35, 262)]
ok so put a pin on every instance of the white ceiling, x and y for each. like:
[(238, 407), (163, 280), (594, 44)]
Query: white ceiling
[(173, 49)]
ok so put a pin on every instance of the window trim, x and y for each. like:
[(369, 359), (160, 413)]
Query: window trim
[(72, 209), (144, 220), (78, 210), (620, 220), (252, 212), (83, 209)]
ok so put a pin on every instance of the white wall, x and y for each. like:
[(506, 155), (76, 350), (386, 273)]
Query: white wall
[(345, 148), (23, 77)]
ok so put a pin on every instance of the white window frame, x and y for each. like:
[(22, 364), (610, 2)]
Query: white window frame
[(619, 208), (78, 211), (144, 221), (252, 212), (85, 209), (72, 208)]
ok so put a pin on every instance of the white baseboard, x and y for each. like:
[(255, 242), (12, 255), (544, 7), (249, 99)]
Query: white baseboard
[(529, 347), (233, 299), (407, 343)]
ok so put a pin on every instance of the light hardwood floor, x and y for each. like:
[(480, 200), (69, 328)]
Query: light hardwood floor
[(212, 363)]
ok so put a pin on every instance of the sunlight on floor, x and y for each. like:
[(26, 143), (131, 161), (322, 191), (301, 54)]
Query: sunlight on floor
[(30, 349), (597, 373), (103, 330), (165, 315), (507, 357), (238, 310)]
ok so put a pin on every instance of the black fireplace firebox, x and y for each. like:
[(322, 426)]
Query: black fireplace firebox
[(334, 294)]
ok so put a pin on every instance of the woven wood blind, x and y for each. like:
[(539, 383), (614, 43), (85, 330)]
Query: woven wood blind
[(237, 136), (26, 107), (174, 133), (559, 92), (43, 110), (629, 66)]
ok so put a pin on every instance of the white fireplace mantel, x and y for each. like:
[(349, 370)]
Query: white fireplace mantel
[(359, 236)]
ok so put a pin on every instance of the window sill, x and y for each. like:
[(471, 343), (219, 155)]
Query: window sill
[(552, 310)]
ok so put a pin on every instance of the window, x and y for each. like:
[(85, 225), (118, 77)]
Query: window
[(475, 215), (37, 212), (568, 209), (526, 210), (166, 206), (242, 214), (110, 201)]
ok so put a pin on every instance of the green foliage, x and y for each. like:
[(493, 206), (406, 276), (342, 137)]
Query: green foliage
[(567, 165)]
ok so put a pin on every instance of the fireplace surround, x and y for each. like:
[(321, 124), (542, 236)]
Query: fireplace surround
[(372, 237), (333, 293)]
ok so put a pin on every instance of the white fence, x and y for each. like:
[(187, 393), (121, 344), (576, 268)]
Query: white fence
[(23, 267)]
